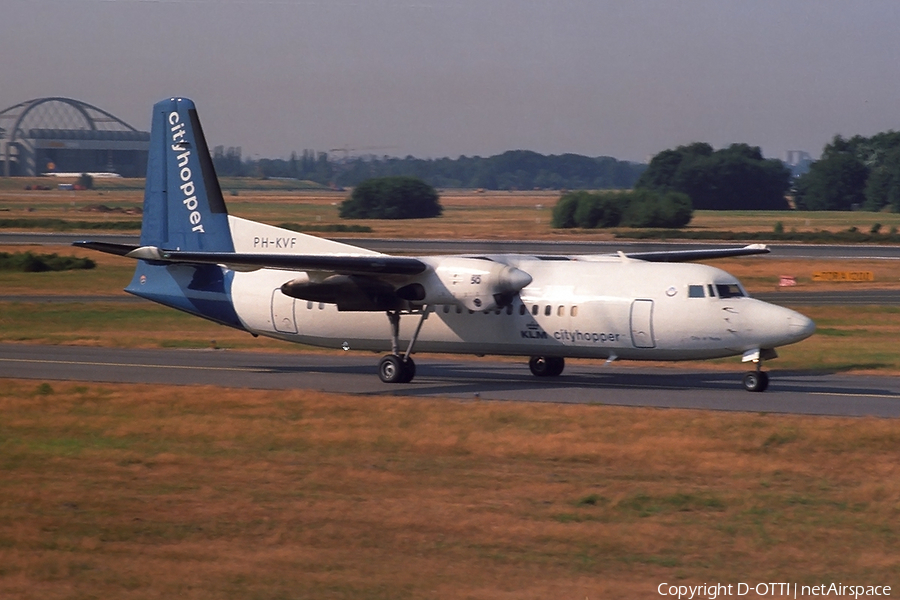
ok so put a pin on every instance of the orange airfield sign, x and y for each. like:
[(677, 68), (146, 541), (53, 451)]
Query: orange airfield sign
[(849, 276)]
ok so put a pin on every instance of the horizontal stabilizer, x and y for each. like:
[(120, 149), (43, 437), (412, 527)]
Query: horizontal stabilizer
[(346, 264), (109, 248)]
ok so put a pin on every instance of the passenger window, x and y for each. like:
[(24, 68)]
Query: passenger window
[(522, 309), (321, 306), (695, 291), (574, 311), (459, 310), (561, 311), (547, 310), (729, 290), (509, 309), (534, 310), (446, 308), (309, 304)]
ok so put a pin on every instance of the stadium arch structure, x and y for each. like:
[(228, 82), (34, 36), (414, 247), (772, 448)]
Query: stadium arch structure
[(63, 135)]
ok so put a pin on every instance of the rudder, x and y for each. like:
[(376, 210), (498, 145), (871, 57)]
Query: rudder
[(183, 204)]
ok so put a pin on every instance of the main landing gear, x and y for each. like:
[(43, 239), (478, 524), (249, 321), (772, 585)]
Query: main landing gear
[(397, 368), (546, 366)]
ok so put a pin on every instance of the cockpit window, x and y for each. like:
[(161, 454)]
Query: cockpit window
[(695, 291), (729, 290)]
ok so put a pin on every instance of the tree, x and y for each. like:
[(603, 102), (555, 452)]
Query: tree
[(85, 182), (392, 198), (836, 182), (856, 171), (564, 211), (734, 178), (640, 208)]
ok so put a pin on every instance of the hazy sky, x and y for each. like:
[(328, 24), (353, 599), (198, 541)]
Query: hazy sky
[(433, 78)]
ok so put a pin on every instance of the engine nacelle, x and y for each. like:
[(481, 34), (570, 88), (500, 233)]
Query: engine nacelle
[(348, 292), (475, 283)]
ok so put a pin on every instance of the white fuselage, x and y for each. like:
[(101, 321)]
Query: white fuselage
[(592, 308)]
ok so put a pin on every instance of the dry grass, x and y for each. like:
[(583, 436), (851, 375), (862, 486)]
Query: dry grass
[(136, 491), (467, 214), (762, 274)]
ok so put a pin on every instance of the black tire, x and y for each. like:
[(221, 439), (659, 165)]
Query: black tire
[(409, 370), (390, 369), (546, 366), (756, 381)]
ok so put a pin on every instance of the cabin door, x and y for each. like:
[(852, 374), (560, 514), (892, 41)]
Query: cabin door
[(283, 319), (642, 324)]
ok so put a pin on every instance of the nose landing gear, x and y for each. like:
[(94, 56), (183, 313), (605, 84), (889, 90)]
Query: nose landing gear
[(758, 380)]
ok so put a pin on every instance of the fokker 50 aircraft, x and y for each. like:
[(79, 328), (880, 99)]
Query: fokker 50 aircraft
[(195, 257)]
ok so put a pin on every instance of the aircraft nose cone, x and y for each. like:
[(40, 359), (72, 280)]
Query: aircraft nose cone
[(513, 279), (801, 326)]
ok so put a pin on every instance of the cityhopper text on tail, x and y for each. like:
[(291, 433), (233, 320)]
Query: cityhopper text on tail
[(195, 257)]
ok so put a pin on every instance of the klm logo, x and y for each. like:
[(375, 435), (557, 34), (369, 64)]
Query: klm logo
[(533, 331)]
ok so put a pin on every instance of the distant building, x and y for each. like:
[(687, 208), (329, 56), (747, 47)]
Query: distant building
[(65, 135), (798, 161)]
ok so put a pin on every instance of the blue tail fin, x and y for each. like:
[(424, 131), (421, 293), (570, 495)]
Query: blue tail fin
[(184, 210), (183, 204)]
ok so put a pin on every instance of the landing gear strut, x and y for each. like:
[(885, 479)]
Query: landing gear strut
[(756, 381), (397, 368), (546, 366)]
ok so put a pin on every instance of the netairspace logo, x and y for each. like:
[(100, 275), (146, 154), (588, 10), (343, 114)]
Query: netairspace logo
[(774, 590)]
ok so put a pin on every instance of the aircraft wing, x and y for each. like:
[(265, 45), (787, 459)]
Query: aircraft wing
[(368, 264), (346, 264), (700, 254)]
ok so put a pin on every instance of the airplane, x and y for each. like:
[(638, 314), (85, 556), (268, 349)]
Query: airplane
[(195, 257)]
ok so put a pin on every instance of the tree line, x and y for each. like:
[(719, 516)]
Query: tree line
[(855, 173), (513, 170)]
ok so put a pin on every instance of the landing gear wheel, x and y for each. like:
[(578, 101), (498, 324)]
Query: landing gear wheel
[(409, 370), (393, 369), (756, 381), (390, 369), (546, 366)]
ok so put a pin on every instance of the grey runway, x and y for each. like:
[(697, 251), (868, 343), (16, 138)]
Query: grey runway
[(462, 379)]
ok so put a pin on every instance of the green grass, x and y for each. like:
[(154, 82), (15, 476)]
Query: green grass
[(29, 262), (69, 225)]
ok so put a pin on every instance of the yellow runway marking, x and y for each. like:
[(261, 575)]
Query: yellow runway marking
[(892, 396)]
